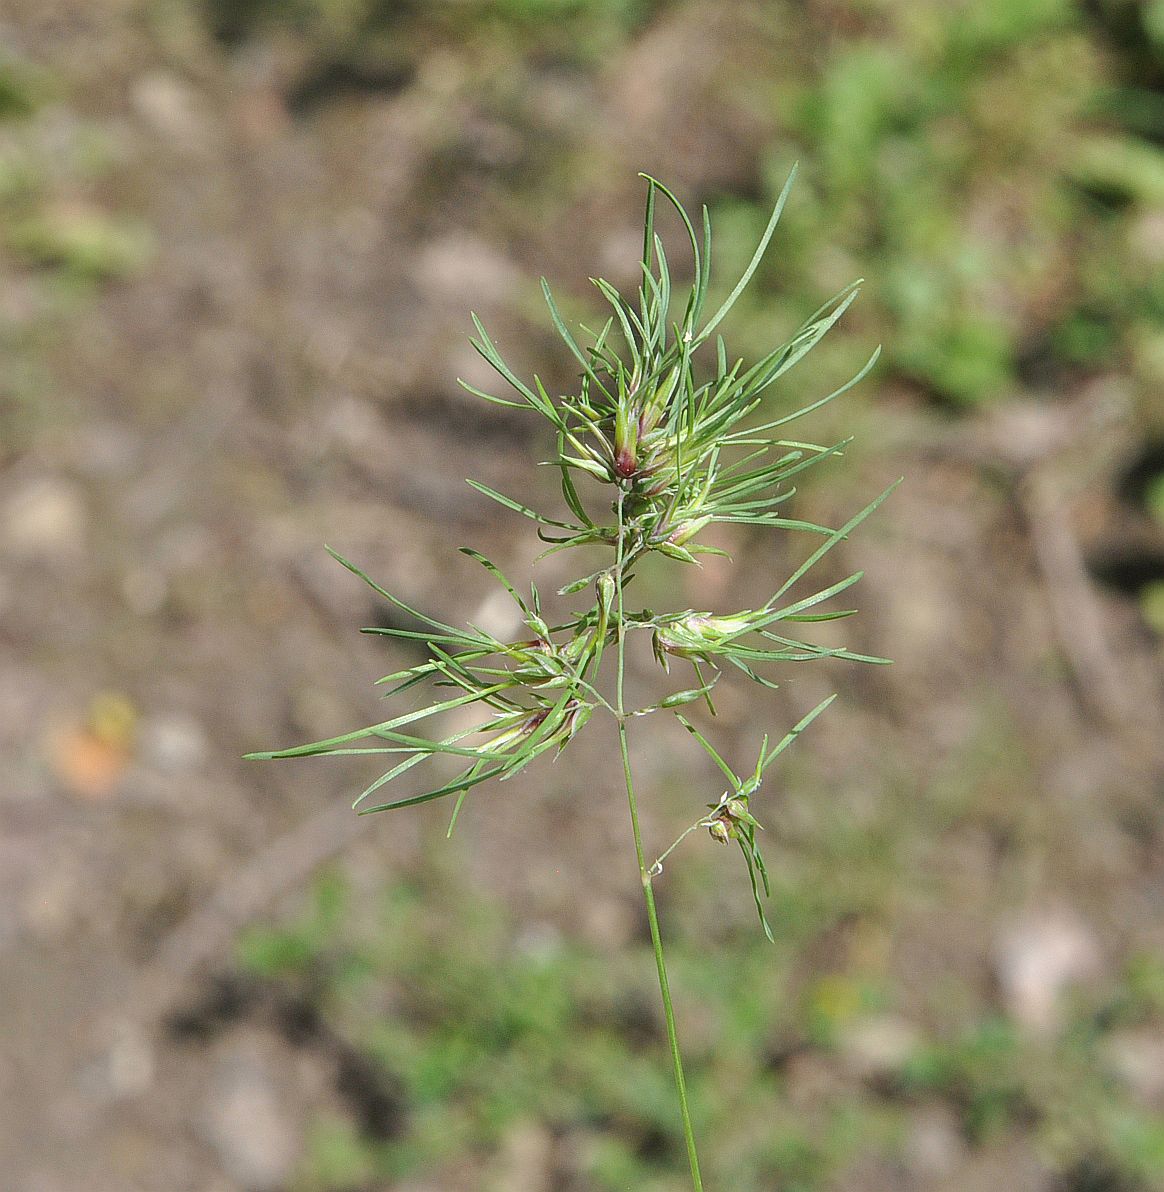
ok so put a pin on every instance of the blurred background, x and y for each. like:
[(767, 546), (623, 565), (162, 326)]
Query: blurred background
[(240, 240)]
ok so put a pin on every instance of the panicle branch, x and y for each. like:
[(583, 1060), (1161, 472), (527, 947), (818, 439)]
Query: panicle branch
[(673, 430)]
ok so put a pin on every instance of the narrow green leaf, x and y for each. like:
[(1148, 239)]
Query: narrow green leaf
[(648, 234), (815, 598), (412, 612), (577, 585), (624, 318), (709, 749), (382, 729), (699, 284), (569, 492), (567, 338), (854, 380), (518, 507), (677, 699), (795, 731), (586, 465), (757, 256), (832, 541), (488, 350), (776, 363), (748, 855), (664, 294), (499, 575), (467, 779), (679, 553), (492, 397)]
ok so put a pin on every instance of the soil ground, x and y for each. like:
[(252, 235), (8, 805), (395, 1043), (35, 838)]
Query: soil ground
[(281, 372)]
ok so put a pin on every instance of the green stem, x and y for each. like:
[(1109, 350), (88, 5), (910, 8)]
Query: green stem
[(645, 874), (657, 867)]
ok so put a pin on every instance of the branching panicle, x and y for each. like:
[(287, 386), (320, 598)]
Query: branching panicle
[(677, 443)]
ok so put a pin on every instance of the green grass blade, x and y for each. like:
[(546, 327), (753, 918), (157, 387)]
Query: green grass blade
[(709, 749), (795, 732), (568, 339), (815, 598), (466, 780), (492, 397), (776, 363), (748, 854), (518, 507), (384, 729), (832, 541), (753, 265), (412, 612)]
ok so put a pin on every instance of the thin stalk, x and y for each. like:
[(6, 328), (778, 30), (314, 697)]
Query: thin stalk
[(644, 873), (657, 867)]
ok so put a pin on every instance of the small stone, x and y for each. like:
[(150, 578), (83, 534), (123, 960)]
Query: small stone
[(164, 101), (465, 270), (45, 519), (173, 742), (878, 1046), (934, 1147), (247, 1125), (126, 1067), (526, 1159), (1137, 1058), (1037, 958)]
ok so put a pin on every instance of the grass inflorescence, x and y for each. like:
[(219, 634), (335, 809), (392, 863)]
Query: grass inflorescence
[(666, 436)]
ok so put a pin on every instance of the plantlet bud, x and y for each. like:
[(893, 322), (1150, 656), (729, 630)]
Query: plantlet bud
[(626, 436), (716, 628), (719, 831), (737, 809), (528, 651), (660, 485), (657, 403), (606, 586), (693, 635), (687, 530), (679, 553), (576, 716), (575, 647), (516, 732)]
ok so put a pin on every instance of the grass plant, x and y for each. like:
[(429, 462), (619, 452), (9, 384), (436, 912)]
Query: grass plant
[(666, 436)]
